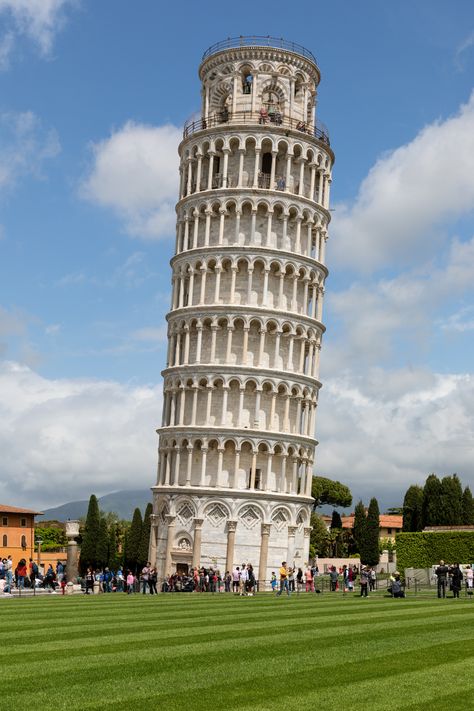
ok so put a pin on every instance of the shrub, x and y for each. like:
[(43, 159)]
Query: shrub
[(422, 550)]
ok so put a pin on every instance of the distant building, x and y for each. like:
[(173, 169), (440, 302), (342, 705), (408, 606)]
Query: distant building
[(17, 532), (389, 525)]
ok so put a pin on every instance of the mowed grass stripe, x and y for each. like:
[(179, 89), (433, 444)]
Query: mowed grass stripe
[(107, 641), (318, 644)]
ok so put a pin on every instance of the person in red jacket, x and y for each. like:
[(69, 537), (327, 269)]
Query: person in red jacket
[(21, 573)]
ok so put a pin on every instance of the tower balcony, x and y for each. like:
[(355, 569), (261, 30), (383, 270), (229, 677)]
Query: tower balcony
[(257, 42), (268, 115)]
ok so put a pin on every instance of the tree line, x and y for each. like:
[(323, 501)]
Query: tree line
[(113, 543), (440, 502)]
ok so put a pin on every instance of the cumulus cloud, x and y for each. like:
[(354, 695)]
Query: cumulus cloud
[(24, 146), (62, 439), (37, 20), (407, 195), (385, 430), (135, 173), (377, 316)]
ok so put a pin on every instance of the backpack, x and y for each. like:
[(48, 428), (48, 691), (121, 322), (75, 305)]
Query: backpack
[(34, 568)]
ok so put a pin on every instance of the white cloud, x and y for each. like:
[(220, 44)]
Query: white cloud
[(52, 329), (461, 321), (24, 146), (461, 50), (386, 430), (377, 317), (62, 439), (407, 194), (135, 173), (37, 20)]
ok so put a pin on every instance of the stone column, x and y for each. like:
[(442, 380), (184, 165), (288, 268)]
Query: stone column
[(153, 539), (291, 544), (262, 565), (197, 542), (229, 560), (72, 564), (307, 534), (170, 520)]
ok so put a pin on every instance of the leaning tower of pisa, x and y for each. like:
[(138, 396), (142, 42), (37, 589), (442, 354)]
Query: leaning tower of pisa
[(241, 383)]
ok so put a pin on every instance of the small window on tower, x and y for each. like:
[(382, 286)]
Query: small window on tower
[(23, 541), (247, 83), (5, 541), (23, 522), (4, 520)]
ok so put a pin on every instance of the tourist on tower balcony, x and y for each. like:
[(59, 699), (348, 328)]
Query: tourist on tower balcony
[(263, 116)]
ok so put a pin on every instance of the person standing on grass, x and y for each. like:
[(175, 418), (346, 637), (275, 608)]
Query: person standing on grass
[(145, 575), (456, 580), (89, 578), (291, 579), (250, 584), (364, 581), (284, 580), (333, 578), (308, 575), (299, 580), (442, 574), (21, 574), (243, 580), (33, 572), (372, 579), (273, 582), (469, 577), (235, 579), (152, 580), (130, 582)]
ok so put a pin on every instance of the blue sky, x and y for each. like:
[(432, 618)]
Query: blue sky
[(93, 98)]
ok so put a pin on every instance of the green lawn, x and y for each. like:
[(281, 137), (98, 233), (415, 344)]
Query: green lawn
[(197, 652)]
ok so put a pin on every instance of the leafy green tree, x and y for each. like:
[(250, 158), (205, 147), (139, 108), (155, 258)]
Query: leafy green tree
[(336, 521), (145, 539), (103, 544), (467, 507), (90, 535), (451, 501), (132, 541), (432, 513), (413, 509), (327, 491), (369, 551), (53, 537), (319, 536), (359, 525)]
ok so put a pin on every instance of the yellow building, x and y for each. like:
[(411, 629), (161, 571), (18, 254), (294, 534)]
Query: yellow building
[(17, 532), (389, 525)]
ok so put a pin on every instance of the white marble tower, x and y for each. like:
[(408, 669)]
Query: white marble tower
[(241, 383)]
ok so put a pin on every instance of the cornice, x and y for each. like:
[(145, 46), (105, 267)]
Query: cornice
[(257, 495), (258, 373)]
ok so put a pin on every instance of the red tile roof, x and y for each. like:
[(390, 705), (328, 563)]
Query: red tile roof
[(4, 508), (385, 521)]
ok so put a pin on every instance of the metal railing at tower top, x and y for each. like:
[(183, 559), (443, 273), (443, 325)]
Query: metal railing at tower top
[(278, 120), (258, 41)]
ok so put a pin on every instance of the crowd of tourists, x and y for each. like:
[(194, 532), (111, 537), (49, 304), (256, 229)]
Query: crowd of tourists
[(452, 576), (30, 575)]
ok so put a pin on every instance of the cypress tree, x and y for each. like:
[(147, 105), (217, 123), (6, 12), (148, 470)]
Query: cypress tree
[(412, 509), (432, 514), (90, 536), (359, 525), (145, 539), (370, 553), (133, 540), (103, 544), (467, 507), (113, 555), (451, 501), (336, 521)]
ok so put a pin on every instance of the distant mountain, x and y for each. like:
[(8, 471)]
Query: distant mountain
[(122, 503)]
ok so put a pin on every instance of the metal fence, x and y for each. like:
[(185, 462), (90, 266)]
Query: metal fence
[(245, 118), (259, 41)]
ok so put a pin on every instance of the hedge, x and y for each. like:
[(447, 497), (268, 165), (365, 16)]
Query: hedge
[(422, 550)]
